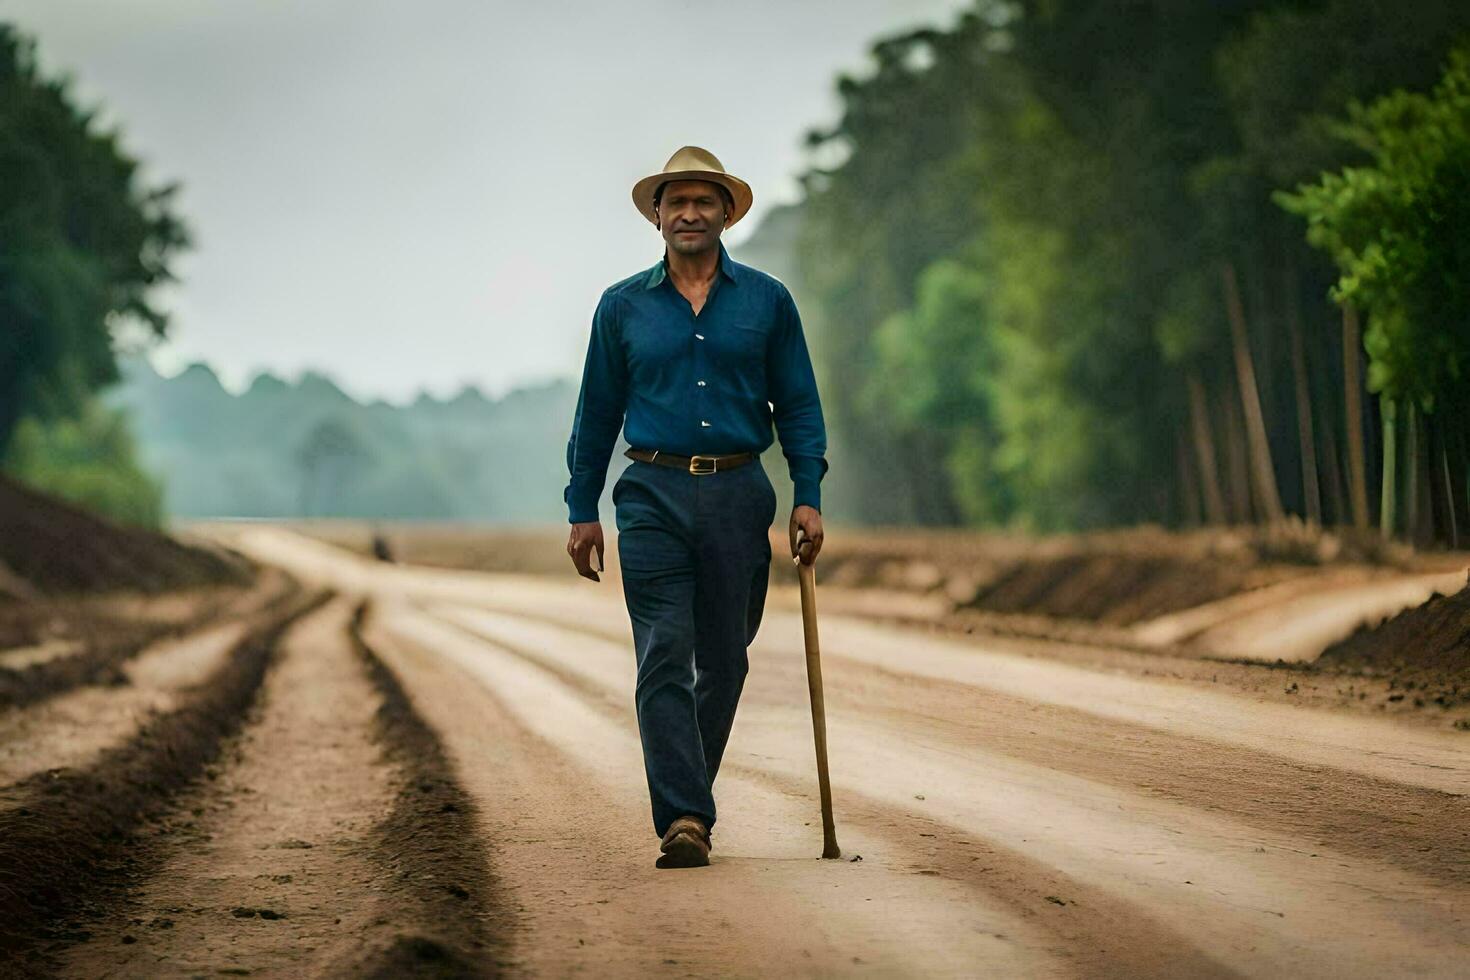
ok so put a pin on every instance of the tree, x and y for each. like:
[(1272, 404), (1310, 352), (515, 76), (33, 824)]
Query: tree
[(892, 190), (1043, 243), (1395, 230), (934, 369), (88, 460), (331, 457), (82, 243)]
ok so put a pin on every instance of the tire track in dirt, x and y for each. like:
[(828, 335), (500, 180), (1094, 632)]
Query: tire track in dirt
[(330, 844), (113, 642), (1097, 936), (68, 848), (70, 729), (430, 841), (1242, 875), (578, 850), (1042, 673), (1423, 830)]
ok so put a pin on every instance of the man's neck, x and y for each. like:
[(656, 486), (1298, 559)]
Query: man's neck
[(695, 269)]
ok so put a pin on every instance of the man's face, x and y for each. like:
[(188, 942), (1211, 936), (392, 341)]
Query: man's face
[(691, 215)]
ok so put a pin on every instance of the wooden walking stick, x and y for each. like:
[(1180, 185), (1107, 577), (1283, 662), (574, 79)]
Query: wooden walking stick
[(807, 574)]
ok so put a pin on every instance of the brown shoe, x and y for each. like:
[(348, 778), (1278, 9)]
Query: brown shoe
[(685, 844)]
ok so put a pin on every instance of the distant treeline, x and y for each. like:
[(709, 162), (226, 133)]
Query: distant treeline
[(1076, 263), (307, 448)]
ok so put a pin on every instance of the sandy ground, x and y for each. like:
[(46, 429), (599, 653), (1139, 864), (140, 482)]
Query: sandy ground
[(1017, 813), (275, 850), (1322, 612), (286, 860), (72, 725), (75, 727)]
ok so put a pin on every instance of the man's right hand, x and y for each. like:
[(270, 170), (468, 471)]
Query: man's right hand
[(584, 538)]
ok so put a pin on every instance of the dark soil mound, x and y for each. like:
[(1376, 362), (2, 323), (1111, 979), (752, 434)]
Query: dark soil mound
[(50, 547), (1113, 589), (1115, 578), (1432, 637)]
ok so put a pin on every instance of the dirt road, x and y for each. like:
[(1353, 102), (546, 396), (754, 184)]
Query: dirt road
[(452, 785)]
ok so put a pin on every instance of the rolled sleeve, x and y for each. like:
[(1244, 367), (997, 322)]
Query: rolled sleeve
[(796, 408), (601, 403)]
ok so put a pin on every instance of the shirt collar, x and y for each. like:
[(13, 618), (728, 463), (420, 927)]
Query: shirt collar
[(659, 272)]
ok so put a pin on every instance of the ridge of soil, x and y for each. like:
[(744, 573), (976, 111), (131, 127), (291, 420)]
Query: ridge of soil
[(456, 923), (1424, 652), (51, 547), (72, 846), (1110, 578), (108, 642)]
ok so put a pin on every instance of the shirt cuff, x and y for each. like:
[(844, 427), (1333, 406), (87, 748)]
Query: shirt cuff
[(809, 496), (580, 510), (806, 480)]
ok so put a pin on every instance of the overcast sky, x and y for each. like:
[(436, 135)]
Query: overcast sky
[(421, 194)]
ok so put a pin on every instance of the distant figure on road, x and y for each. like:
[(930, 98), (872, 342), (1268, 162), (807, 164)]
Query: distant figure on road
[(381, 551), (701, 354)]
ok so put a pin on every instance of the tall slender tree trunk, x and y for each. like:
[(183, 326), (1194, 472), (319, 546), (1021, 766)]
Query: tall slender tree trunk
[(1329, 460), (1442, 492), (1411, 460), (1457, 463), (1388, 503), (1332, 476), (1204, 451), (1236, 467), (1352, 386), (1189, 510), (1263, 477), (1311, 493)]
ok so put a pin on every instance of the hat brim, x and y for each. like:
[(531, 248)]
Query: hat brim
[(739, 191)]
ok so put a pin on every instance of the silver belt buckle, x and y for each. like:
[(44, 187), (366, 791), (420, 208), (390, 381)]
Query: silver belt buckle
[(694, 462)]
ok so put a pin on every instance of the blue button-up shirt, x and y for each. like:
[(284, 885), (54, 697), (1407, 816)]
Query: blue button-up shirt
[(706, 384)]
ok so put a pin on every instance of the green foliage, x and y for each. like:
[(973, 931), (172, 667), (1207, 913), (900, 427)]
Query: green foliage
[(81, 245), (1291, 73), (899, 192), (88, 460), (934, 371), (1014, 238), (1395, 228)]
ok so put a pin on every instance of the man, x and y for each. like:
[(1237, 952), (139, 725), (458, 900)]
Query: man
[(701, 355)]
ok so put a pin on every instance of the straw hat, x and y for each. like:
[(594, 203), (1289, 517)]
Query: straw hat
[(692, 163)]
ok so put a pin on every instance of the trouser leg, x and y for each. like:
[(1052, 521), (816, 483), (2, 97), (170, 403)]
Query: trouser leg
[(727, 611), (731, 574), (658, 563)]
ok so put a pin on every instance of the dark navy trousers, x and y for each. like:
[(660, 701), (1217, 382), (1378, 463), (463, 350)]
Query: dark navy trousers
[(695, 555)]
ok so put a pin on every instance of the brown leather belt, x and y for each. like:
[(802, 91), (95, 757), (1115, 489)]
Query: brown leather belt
[(698, 465)]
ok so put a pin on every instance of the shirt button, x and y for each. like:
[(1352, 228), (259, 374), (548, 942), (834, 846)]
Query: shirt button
[(701, 384), (699, 336), (704, 423)]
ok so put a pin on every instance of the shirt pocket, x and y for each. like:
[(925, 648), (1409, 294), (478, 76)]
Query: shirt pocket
[(743, 347)]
